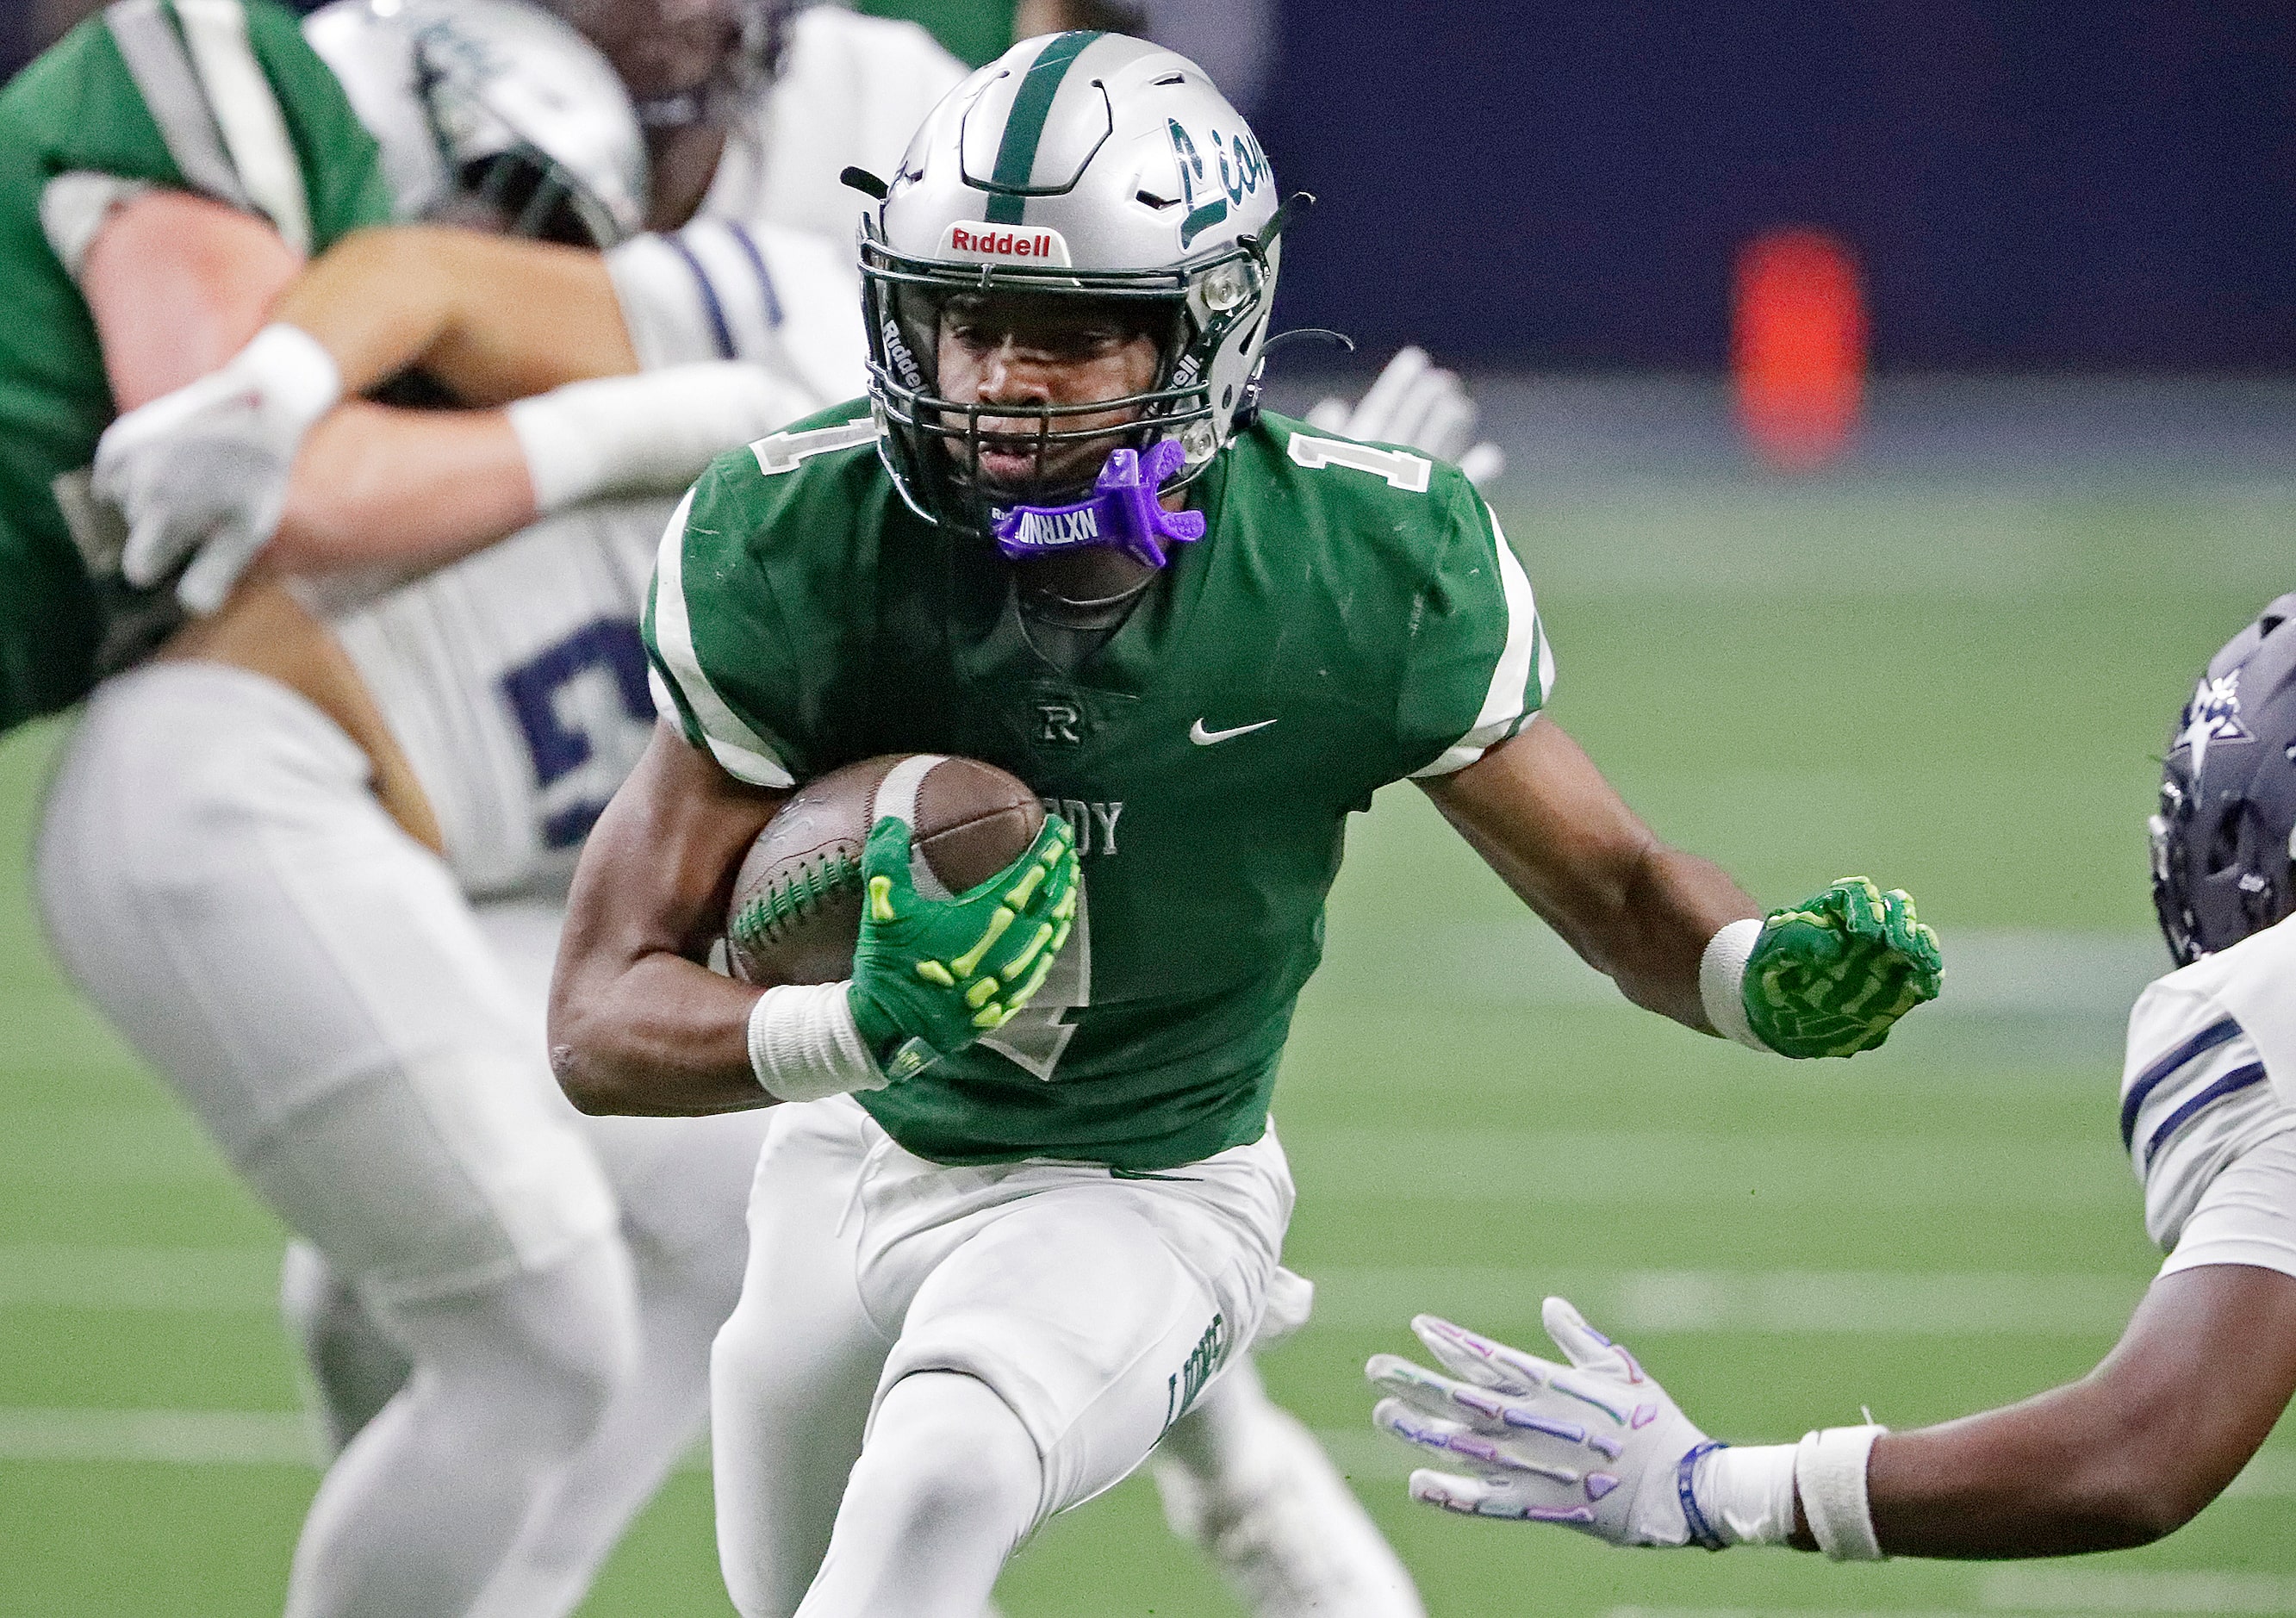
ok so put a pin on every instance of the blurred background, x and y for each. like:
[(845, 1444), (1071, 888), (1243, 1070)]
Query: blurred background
[(1899, 407)]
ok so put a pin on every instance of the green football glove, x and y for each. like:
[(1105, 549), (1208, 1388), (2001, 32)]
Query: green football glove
[(1828, 977), (931, 976)]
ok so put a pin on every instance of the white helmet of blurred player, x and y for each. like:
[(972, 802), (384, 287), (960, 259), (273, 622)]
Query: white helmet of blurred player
[(1079, 165), (493, 112), (687, 62)]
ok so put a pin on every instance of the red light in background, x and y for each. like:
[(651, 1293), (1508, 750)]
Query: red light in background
[(1798, 346)]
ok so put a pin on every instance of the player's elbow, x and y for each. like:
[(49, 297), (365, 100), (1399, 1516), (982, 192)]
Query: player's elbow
[(583, 1062), (585, 1082), (2138, 1480)]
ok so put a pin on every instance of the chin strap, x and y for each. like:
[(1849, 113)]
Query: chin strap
[(1123, 513)]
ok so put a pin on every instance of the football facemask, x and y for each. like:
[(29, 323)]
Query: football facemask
[(1078, 166)]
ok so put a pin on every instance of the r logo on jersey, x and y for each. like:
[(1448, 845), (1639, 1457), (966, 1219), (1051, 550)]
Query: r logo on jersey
[(2213, 715), (1057, 724)]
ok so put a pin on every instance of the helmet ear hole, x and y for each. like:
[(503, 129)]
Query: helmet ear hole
[(2224, 839)]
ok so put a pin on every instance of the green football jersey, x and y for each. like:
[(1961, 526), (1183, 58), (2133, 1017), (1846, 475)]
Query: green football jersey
[(220, 97), (1352, 616)]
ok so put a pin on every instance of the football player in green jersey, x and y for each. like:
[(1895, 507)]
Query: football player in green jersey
[(162, 171), (1060, 536)]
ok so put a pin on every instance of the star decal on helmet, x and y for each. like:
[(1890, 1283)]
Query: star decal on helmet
[(2213, 715)]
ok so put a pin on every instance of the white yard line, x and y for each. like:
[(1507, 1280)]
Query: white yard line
[(179, 1438), (2065, 1589), (2051, 1590), (1784, 1612), (1589, 1171), (163, 1279), (1998, 1304), (175, 1438), (54, 1146), (1495, 1298)]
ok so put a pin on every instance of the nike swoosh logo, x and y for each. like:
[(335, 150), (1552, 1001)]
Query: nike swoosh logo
[(1206, 738)]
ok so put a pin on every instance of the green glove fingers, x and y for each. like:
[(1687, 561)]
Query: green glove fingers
[(1830, 976), (931, 976)]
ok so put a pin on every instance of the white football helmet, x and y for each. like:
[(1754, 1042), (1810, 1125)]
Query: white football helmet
[(493, 102), (1080, 164)]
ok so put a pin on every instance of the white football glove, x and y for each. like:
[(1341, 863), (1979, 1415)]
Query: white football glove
[(202, 472), (1596, 1445), (1416, 403)]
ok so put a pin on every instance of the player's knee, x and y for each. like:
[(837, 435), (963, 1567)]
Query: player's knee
[(534, 1363), (944, 1447)]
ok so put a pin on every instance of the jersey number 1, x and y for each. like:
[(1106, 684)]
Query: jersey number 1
[(1037, 1039)]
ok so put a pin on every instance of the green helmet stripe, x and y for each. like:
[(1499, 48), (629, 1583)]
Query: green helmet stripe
[(1032, 104)]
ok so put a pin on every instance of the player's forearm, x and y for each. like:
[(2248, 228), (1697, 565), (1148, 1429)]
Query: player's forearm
[(1652, 926), (407, 487), (662, 1038), (2048, 1477), (1544, 818), (637, 1023), (493, 318), (2127, 1454)]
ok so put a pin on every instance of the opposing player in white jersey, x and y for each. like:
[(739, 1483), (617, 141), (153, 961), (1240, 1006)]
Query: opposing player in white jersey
[(2131, 1452), (508, 680), (240, 879)]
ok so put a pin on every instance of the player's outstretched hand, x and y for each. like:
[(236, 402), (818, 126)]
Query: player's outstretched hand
[(1829, 976), (201, 475), (1417, 403), (1594, 1445), (930, 976)]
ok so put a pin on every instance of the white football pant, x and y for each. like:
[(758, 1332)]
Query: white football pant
[(1094, 1309), (215, 875)]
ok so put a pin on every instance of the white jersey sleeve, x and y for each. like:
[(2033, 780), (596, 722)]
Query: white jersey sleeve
[(516, 682), (727, 289), (852, 91), (2209, 1078)]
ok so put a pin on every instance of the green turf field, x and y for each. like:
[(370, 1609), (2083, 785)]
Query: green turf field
[(1958, 690)]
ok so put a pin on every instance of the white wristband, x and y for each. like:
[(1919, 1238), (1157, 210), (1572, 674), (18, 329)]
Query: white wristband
[(293, 372), (651, 433), (803, 1044), (1830, 1473), (1748, 1495), (1722, 981)]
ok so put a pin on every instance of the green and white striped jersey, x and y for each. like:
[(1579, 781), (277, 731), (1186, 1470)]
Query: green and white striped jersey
[(221, 97), (1352, 616)]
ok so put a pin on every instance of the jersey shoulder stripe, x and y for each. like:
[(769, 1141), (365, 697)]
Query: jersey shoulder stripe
[(1521, 681), (713, 308), (2155, 1075), (160, 62), (195, 65), (2228, 1084), (699, 712), (714, 601)]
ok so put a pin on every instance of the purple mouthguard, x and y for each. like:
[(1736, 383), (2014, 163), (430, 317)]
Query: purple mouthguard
[(1122, 513)]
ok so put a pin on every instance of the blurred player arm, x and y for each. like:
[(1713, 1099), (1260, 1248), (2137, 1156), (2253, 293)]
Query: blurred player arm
[(1542, 815), (493, 318), (638, 1024), (258, 448)]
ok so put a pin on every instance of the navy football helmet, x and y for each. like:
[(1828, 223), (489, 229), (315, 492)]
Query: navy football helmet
[(2224, 841)]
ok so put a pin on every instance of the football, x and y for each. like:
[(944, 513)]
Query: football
[(796, 907)]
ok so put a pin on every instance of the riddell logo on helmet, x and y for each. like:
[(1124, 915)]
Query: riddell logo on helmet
[(1021, 243)]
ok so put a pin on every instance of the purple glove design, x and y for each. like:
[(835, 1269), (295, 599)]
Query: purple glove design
[(1123, 513)]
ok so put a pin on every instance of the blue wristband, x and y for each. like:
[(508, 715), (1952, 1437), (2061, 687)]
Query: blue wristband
[(1702, 1532)]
